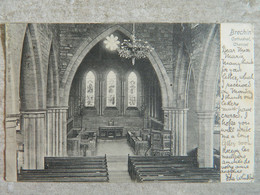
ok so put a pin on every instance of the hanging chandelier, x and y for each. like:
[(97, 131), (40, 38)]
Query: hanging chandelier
[(134, 48)]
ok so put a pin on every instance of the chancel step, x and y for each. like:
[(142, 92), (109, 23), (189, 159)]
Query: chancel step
[(69, 169)]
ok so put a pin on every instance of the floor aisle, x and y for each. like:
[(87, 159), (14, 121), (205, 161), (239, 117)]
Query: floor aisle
[(117, 159), (115, 147)]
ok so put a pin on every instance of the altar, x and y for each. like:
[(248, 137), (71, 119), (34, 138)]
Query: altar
[(111, 132)]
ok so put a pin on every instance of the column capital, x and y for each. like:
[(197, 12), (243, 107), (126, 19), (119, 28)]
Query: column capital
[(57, 107), (100, 77), (174, 109), (123, 78), (40, 111), (9, 117), (206, 114)]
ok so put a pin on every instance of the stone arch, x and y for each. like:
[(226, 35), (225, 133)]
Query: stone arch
[(28, 78), (181, 80), (52, 89), (86, 46), (190, 78), (39, 68), (206, 86)]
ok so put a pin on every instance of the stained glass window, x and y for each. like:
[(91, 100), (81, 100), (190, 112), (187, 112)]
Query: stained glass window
[(90, 90), (111, 89), (132, 90)]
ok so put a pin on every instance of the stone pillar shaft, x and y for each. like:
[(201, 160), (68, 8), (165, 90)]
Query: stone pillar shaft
[(123, 97), (56, 135), (34, 127), (205, 150), (175, 120), (11, 148)]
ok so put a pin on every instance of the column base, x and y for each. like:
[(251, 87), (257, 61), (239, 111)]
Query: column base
[(34, 127), (206, 128), (56, 136), (175, 120), (11, 148)]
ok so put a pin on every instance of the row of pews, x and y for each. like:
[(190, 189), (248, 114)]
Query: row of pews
[(169, 168), (69, 169)]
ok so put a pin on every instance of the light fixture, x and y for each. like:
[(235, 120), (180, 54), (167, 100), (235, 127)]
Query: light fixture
[(112, 42), (134, 48)]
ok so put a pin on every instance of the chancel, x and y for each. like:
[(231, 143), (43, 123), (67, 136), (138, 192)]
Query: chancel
[(113, 102)]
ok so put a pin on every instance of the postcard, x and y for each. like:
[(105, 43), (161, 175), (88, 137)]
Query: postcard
[(129, 102)]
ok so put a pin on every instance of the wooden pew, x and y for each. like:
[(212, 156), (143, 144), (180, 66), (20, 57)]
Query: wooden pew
[(149, 161), (190, 178), (66, 174), (69, 169), (169, 168), (67, 179), (190, 175), (78, 170)]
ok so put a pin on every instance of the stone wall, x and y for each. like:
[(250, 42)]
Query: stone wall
[(71, 38), (160, 36)]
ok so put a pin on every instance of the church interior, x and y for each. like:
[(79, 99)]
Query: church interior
[(79, 110)]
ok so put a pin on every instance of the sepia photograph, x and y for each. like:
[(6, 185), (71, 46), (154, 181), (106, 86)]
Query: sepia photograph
[(125, 102)]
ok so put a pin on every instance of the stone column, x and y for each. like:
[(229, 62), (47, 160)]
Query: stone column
[(11, 147), (175, 120), (100, 94), (56, 135), (34, 127), (123, 98), (206, 127)]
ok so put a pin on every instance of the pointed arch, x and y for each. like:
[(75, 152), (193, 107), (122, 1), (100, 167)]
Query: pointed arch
[(181, 77), (29, 83), (206, 86), (191, 80), (52, 89), (39, 67), (167, 94), (50, 81)]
